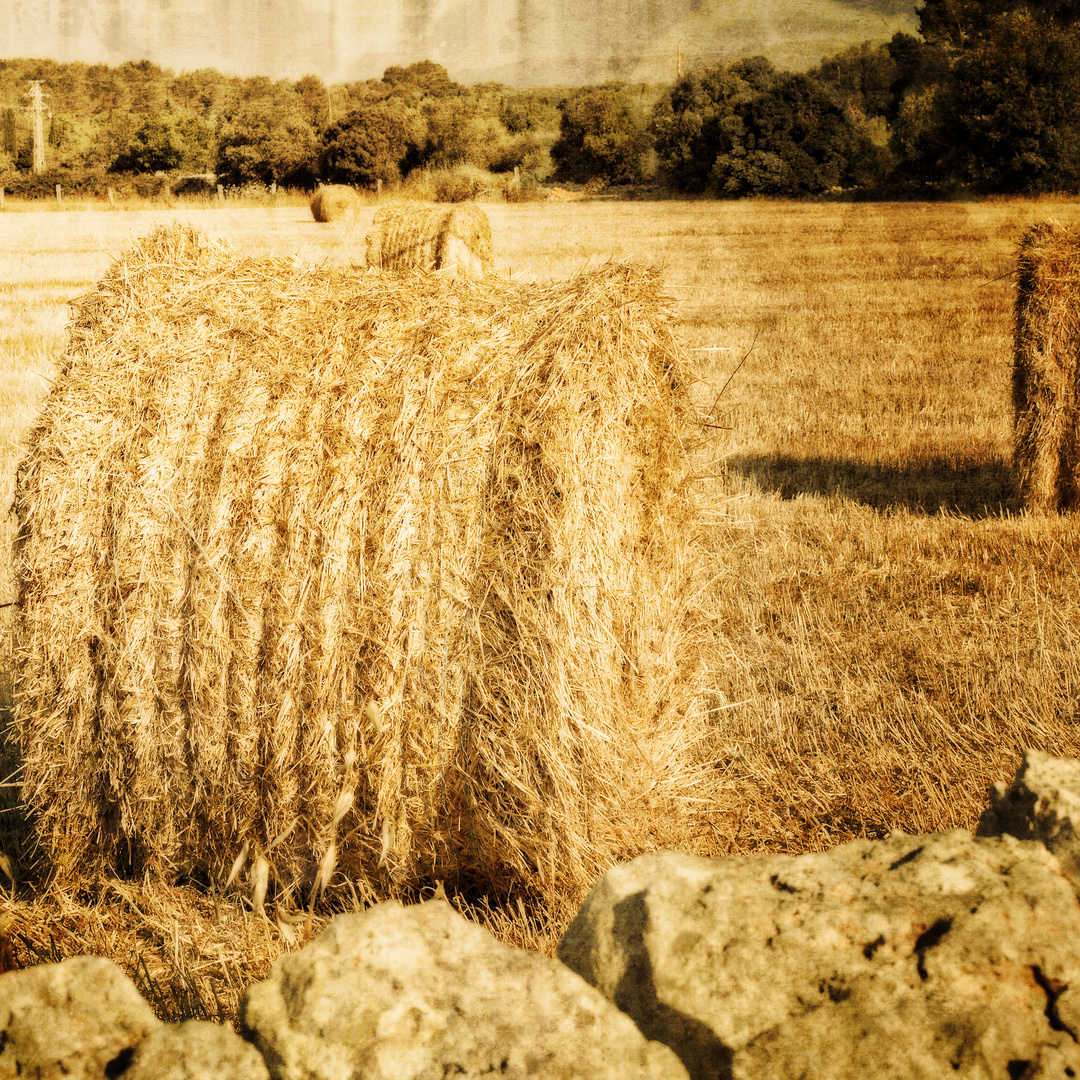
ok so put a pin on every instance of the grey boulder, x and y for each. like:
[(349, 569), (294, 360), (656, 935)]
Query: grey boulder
[(913, 957), (419, 993), (79, 1018)]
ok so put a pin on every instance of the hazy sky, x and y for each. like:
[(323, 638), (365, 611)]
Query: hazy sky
[(531, 42)]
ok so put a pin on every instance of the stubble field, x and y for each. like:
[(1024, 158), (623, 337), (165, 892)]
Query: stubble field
[(889, 629)]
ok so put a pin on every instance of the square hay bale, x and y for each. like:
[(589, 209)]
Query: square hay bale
[(387, 572), (1046, 368)]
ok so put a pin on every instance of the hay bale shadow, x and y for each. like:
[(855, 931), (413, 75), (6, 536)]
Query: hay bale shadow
[(975, 489)]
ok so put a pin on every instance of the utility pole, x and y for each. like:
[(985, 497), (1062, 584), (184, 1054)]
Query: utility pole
[(678, 59), (37, 110)]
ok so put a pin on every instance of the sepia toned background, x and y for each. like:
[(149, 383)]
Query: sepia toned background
[(520, 42)]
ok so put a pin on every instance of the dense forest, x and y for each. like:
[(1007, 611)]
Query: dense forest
[(986, 98)]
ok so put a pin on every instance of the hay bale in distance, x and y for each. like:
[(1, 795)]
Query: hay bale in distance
[(335, 202), (384, 571), (1046, 368), (455, 238)]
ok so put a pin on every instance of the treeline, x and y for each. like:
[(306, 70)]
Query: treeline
[(987, 96), (139, 118)]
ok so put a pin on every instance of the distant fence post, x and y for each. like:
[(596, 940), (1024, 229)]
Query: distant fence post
[(378, 188), (221, 194), (273, 189), (1, 198), (57, 194), (111, 201)]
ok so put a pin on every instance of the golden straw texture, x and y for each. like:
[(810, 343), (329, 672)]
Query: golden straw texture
[(382, 575), (334, 202), (1046, 369), (456, 238)]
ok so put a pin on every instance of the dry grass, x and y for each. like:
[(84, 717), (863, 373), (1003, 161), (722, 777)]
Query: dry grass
[(889, 628)]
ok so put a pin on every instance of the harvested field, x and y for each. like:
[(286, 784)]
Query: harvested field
[(888, 627), (294, 585)]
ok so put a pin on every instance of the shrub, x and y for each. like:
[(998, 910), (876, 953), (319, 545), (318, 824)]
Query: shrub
[(375, 142), (600, 134)]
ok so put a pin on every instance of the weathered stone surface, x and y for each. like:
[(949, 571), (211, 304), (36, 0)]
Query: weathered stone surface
[(914, 957), (79, 1018), (400, 993), (1042, 804), (195, 1050)]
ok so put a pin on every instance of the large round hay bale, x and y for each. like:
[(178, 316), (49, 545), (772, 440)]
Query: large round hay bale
[(335, 202), (453, 238), (1046, 368), (383, 571)]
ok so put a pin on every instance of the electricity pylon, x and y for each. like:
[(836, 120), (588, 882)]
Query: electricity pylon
[(37, 111)]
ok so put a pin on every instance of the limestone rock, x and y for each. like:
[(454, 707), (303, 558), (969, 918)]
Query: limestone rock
[(195, 1050), (400, 993), (913, 957), (79, 1018), (1042, 804)]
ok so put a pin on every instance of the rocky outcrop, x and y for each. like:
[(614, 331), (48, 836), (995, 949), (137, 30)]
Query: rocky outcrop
[(420, 992), (195, 1050), (80, 1018), (910, 957), (934, 956)]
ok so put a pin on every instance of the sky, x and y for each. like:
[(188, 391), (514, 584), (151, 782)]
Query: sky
[(521, 42)]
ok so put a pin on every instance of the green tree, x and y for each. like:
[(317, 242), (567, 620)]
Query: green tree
[(601, 133), (114, 131), (146, 85), (314, 101), (864, 76), (197, 140), (106, 91), (798, 140), (381, 141), (523, 111), (1005, 113), (422, 79), (69, 90), (156, 145), (700, 119), (266, 142), (9, 142), (749, 129), (58, 130), (452, 132), (203, 91), (757, 72), (1017, 106)]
